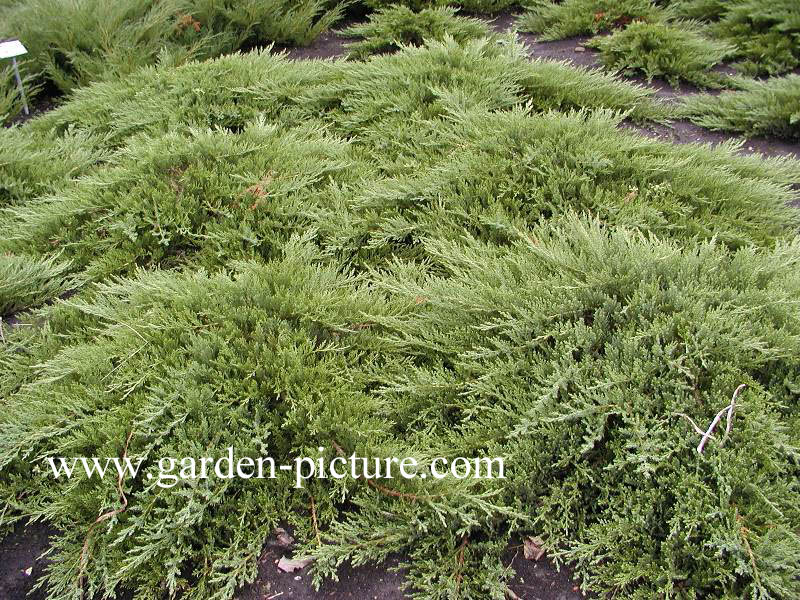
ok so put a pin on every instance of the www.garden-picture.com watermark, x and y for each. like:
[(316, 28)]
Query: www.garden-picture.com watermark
[(169, 471)]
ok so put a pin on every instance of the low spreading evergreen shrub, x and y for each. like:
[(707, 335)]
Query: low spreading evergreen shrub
[(74, 42), (766, 35), (447, 251), (574, 353), (770, 107), (231, 92), (660, 50), (578, 352), (199, 197), (532, 168), (557, 20), (280, 339), (389, 28)]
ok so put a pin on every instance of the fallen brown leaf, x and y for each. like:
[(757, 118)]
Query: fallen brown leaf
[(533, 548), (290, 565), (283, 538)]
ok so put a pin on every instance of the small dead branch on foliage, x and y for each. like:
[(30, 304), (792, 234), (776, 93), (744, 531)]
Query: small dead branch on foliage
[(314, 521), (706, 435), (290, 565), (460, 562), (380, 488), (743, 532), (533, 548), (84, 561)]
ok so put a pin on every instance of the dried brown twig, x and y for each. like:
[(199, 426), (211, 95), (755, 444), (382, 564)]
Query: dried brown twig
[(380, 488), (706, 435), (84, 561), (314, 521)]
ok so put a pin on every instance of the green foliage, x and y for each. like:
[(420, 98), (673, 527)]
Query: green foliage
[(273, 337), (447, 251), (388, 28), (27, 281), (74, 42), (557, 20), (231, 92), (33, 164), (660, 50), (561, 86), (572, 354), (471, 6), (166, 201), (10, 100), (766, 34), (515, 170), (705, 10), (770, 107)]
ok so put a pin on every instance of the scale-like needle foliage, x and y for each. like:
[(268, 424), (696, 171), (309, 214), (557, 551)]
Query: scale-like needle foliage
[(674, 52), (389, 28), (572, 354), (232, 91), (766, 35), (26, 281), (575, 353), (557, 20), (770, 107), (71, 43), (448, 251)]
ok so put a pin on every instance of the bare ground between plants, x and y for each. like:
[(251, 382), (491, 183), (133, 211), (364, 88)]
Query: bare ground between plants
[(23, 564)]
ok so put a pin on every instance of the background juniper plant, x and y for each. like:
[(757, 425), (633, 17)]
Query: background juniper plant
[(669, 51), (389, 27), (766, 35), (473, 6), (770, 107), (73, 43), (557, 20)]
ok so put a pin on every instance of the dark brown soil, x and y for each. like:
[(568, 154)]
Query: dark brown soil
[(572, 50), (329, 45), (384, 582), (20, 562), (22, 565), (539, 580)]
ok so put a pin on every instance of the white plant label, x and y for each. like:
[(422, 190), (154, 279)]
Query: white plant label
[(11, 49)]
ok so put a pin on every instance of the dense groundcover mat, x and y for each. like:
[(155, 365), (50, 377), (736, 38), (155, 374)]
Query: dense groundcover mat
[(447, 252)]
